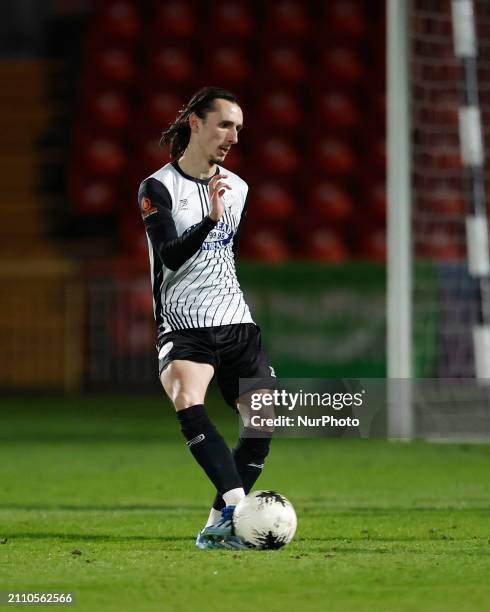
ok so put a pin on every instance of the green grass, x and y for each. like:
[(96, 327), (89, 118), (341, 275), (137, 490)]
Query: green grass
[(382, 526)]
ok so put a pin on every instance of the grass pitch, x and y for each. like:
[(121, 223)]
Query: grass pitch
[(101, 497)]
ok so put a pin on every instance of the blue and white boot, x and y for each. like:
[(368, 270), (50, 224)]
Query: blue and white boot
[(220, 535)]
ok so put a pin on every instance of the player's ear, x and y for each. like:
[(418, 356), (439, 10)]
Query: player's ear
[(194, 122)]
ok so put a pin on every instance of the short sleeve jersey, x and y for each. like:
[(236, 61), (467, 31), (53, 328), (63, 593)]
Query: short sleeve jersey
[(192, 262)]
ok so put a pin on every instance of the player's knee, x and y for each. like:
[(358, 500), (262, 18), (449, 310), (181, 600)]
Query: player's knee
[(185, 399), (257, 411)]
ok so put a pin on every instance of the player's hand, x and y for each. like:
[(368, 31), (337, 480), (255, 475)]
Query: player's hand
[(217, 188)]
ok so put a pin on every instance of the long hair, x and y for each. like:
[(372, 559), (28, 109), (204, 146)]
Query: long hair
[(177, 136)]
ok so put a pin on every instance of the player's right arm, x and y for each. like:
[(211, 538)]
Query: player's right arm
[(156, 210)]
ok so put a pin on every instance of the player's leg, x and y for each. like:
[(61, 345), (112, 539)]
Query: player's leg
[(252, 447), (243, 356), (186, 383)]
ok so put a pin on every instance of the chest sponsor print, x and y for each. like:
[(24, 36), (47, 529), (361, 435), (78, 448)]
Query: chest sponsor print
[(218, 238)]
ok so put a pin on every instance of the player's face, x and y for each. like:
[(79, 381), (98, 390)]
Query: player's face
[(218, 131)]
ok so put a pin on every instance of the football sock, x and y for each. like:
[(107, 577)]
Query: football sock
[(249, 455), (214, 517), (231, 498), (209, 448)]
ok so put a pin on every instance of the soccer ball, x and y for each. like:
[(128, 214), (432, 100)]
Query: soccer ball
[(265, 520)]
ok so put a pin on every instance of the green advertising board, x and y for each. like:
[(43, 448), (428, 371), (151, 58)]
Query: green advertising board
[(320, 320)]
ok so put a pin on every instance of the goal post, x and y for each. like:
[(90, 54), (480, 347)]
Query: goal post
[(399, 272)]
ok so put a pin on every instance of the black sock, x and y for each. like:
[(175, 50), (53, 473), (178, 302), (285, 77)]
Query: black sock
[(209, 448), (249, 455)]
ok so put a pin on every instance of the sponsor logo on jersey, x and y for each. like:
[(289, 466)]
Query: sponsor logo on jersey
[(184, 204), (218, 238), (147, 207)]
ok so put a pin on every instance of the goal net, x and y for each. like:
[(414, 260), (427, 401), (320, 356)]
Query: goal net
[(447, 302)]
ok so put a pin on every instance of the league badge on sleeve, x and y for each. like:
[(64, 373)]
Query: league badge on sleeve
[(147, 207)]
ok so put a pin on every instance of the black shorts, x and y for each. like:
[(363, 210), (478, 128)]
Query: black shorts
[(234, 351)]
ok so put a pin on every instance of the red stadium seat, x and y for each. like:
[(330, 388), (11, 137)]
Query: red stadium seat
[(440, 151), (443, 200), (171, 65), (441, 244), (231, 19), (160, 108), (373, 245), (266, 245), (93, 196), (234, 160), (104, 157), (152, 156), (118, 20), (335, 157), (329, 202), (374, 141), (345, 19), (278, 156), (280, 109), (283, 64), (287, 19), (109, 109), (227, 65), (340, 64), (132, 235), (337, 110), (175, 21), (272, 201), (325, 245), (114, 65), (376, 194), (131, 324)]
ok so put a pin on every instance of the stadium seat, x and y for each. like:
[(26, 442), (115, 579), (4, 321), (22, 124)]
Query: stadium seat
[(114, 66), (266, 245), (334, 157), (109, 110), (376, 194), (279, 110), (345, 19), (325, 245), (227, 65), (329, 202), (132, 236), (340, 65), (286, 20), (93, 196), (151, 155), (118, 20), (443, 200), (171, 65), (373, 245), (130, 323), (284, 65), (231, 20), (104, 157), (441, 244), (278, 156), (273, 201), (336, 111), (160, 108), (175, 21)]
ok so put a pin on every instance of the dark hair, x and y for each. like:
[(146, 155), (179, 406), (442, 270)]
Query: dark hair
[(177, 136)]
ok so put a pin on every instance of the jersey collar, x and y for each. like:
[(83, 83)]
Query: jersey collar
[(175, 164)]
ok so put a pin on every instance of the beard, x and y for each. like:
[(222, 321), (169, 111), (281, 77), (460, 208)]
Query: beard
[(215, 160)]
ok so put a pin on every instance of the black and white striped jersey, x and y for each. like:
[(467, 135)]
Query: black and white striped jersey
[(192, 258)]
